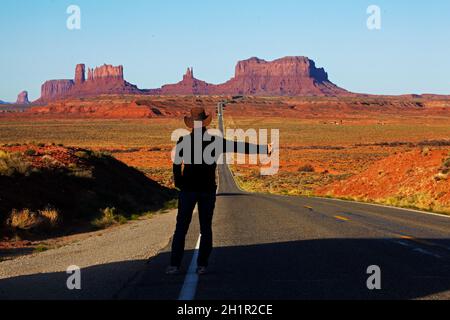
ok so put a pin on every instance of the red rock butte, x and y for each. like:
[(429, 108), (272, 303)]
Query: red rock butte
[(289, 76), (22, 98), (106, 79)]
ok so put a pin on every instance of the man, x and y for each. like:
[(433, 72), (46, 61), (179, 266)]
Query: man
[(197, 183)]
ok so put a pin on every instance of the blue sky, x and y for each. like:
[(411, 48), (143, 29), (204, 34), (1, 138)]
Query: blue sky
[(156, 40)]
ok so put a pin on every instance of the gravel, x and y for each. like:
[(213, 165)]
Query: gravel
[(108, 260)]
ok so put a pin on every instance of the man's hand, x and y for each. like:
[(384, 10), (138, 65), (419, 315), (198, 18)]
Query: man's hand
[(270, 149)]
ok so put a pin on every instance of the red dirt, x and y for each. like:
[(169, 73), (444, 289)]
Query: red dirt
[(373, 109), (403, 174), (60, 156)]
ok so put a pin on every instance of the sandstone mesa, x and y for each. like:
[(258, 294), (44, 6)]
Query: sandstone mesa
[(289, 76)]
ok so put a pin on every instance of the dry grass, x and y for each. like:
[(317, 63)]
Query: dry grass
[(13, 163), (108, 218), (51, 215), (26, 219), (91, 133)]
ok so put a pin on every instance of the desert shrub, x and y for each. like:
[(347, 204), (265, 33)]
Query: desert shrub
[(13, 163), (120, 219), (26, 219), (441, 176), (30, 152), (421, 201), (101, 154), (49, 159), (171, 204), (106, 219), (446, 163), (41, 248), (445, 168), (81, 173), (135, 217), (82, 154), (109, 217), (306, 168), (425, 151), (51, 215)]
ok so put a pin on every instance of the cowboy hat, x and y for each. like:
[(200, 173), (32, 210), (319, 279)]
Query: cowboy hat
[(197, 114)]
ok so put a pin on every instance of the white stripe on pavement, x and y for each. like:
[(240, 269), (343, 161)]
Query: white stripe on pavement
[(190, 282)]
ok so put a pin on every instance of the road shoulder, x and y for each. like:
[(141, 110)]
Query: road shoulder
[(107, 260)]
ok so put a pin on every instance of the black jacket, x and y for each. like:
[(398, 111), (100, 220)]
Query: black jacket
[(201, 177)]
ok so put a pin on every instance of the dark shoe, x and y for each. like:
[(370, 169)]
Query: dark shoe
[(172, 271), (201, 270)]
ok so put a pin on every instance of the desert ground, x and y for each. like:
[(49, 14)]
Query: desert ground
[(389, 150)]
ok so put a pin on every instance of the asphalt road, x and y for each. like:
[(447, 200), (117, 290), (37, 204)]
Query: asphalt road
[(266, 247), (276, 247)]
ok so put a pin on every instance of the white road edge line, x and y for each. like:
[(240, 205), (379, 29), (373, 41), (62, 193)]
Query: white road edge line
[(189, 288), (418, 249), (383, 206)]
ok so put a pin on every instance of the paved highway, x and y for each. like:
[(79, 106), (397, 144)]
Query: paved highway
[(266, 247), (276, 247)]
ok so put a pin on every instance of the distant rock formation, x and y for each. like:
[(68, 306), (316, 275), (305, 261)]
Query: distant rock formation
[(189, 75), (105, 72), (22, 98), (188, 86), (108, 72), (106, 79), (80, 74), (53, 89), (290, 76)]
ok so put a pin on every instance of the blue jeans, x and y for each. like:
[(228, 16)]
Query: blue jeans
[(186, 203)]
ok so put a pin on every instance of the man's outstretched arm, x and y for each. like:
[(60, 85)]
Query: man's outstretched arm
[(246, 148)]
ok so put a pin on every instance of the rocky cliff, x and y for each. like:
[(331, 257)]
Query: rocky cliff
[(106, 79), (290, 76), (22, 98), (53, 89), (80, 74), (188, 86), (108, 71)]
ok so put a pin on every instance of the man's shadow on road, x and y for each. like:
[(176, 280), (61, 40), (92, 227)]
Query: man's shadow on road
[(304, 270)]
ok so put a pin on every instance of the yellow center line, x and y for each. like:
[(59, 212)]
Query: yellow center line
[(413, 239), (342, 218)]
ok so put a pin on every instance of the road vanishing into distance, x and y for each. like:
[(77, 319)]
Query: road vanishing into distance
[(266, 247), (277, 247)]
